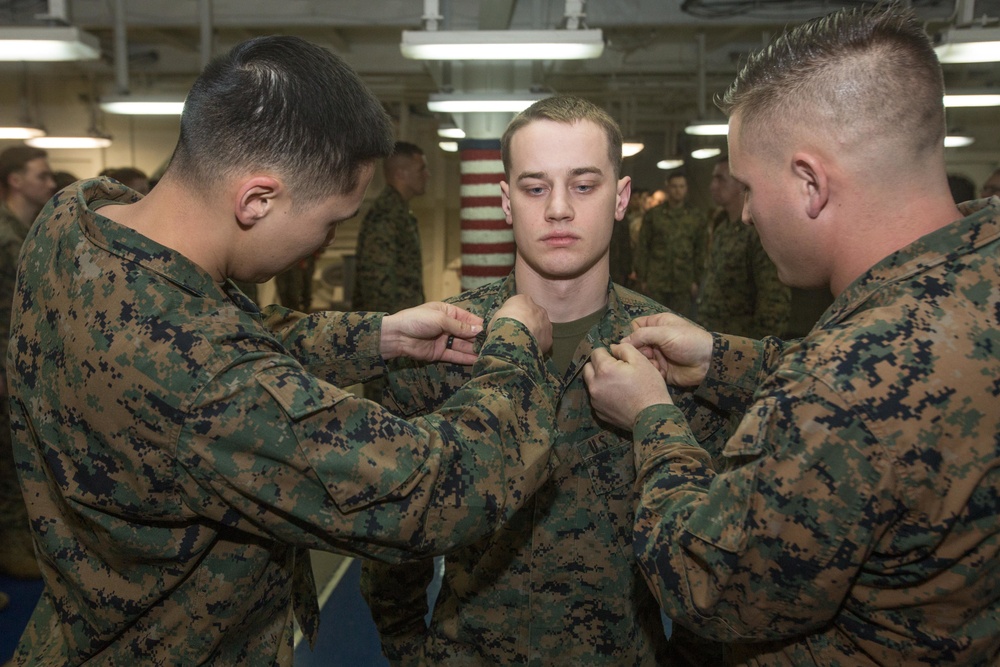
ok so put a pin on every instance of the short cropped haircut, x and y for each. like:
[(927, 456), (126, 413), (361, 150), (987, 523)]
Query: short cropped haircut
[(565, 109), (406, 148), (865, 73), (281, 104), (402, 149), (15, 159)]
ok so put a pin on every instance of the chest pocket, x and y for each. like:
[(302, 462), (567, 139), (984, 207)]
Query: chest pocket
[(610, 464)]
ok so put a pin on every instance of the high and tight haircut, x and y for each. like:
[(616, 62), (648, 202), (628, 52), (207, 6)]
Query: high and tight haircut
[(15, 159), (569, 110), (281, 104), (401, 149), (869, 72)]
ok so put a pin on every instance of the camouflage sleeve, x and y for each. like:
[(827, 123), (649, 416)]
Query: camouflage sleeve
[(641, 260), (773, 306), (8, 275), (285, 455), (769, 545), (379, 254), (342, 348), (397, 598), (700, 248), (738, 367)]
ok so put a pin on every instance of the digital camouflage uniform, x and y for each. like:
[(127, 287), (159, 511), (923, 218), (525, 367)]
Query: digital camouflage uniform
[(741, 294), (558, 584), (13, 517), (389, 268), (670, 255), (178, 459), (856, 520)]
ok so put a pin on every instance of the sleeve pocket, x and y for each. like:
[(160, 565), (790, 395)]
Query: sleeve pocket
[(722, 521), (359, 452)]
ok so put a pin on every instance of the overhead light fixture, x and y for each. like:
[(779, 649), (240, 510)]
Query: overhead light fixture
[(86, 141), (630, 148), (21, 132), (143, 105), (451, 132), (670, 163), (972, 99), (707, 128), (468, 103), (502, 44), (34, 43), (969, 45), (448, 146), (705, 153), (958, 141)]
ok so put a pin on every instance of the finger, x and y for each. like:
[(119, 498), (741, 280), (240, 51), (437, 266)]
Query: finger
[(599, 357), (459, 357), (460, 322)]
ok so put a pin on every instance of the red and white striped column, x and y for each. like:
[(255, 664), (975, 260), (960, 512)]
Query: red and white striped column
[(487, 239)]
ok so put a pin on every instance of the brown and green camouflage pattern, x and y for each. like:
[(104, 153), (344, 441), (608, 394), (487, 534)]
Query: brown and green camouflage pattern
[(180, 450), (13, 519), (855, 519), (388, 274), (670, 255), (558, 584), (741, 294)]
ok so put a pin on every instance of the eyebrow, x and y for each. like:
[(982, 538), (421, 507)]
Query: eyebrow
[(579, 171)]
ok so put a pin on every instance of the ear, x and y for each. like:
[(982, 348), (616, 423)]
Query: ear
[(813, 181), (255, 198), (624, 194), (505, 201)]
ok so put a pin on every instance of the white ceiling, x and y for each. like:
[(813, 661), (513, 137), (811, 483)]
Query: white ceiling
[(648, 76)]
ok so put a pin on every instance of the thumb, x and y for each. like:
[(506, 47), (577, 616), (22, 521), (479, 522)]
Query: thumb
[(461, 323), (626, 352)]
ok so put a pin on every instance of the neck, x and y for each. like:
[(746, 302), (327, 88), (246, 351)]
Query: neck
[(865, 244), (565, 299), (169, 216)]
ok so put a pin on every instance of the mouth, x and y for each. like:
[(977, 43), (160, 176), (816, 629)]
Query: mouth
[(559, 240)]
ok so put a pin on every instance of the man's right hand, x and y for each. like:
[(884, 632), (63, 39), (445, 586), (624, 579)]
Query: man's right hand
[(522, 308), (679, 348)]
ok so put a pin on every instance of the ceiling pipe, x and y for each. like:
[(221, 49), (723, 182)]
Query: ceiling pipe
[(205, 22), (702, 90), (432, 15), (121, 49), (574, 14)]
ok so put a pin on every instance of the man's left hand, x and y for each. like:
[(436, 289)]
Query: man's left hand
[(434, 331)]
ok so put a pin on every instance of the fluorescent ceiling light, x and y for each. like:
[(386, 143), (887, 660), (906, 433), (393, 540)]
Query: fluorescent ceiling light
[(451, 133), (969, 45), (502, 44), (630, 148), (670, 164), (704, 153), (29, 43), (973, 100), (21, 132), (448, 146), (462, 103), (703, 128), (70, 142), (143, 105), (958, 141)]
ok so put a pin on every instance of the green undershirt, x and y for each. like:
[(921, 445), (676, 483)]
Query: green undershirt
[(566, 337)]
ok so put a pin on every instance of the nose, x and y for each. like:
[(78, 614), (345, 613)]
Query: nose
[(558, 207)]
